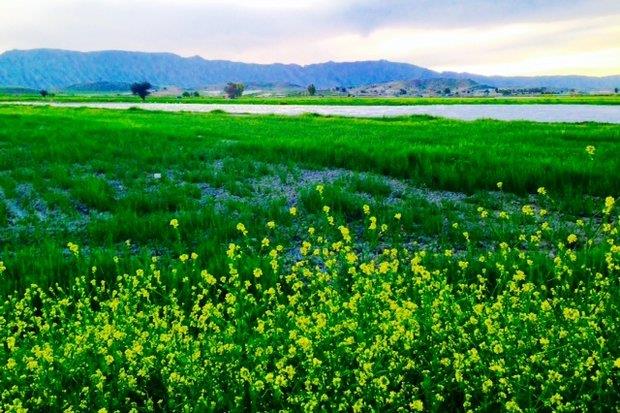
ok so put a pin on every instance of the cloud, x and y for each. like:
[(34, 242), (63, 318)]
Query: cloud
[(510, 35), (368, 15)]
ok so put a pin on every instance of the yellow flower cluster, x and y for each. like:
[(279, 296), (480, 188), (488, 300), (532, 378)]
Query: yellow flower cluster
[(74, 248), (343, 321)]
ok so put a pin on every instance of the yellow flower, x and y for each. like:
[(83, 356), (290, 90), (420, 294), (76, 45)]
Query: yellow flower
[(257, 272), (292, 211), (512, 406), (183, 257), (208, 277), (232, 248), (590, 150), (519, 276), (417, 405), (366, 209), (174, 223), (74, 248), (617, 363), (194, 255), (527, 210), (2, 267), (542, 191), (500, 185), (304, 343), (398, 216), (373, 224), (486, 386), (241, 229), (351, 257), (319, 189), (556, 399), (571, 314), (572, 238), (271, 224), (609, 204), (230, 299)]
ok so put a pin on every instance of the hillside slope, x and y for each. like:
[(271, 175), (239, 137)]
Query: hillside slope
[(59, 69)]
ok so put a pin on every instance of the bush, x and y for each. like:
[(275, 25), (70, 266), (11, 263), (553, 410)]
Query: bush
[(234, 90), (141, 89)]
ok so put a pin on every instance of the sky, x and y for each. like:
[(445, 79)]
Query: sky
[(507, 37)]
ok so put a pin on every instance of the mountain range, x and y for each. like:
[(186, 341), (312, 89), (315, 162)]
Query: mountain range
[(60, 69)]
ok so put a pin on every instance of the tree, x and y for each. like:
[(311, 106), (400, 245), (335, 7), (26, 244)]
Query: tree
[(141, 89), (186, 94), (446, 91), (43, 92), (234, 90), (616, 90), (196, 94), (311, 89)]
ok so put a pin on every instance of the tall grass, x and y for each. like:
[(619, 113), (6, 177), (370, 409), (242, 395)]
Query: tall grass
[(89, 176)]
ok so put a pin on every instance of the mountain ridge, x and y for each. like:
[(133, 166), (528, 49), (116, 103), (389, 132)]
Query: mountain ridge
[(58, 69)]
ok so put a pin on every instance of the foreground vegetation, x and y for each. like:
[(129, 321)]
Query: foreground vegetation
[(351, 323), (161, 261), (327, 100)]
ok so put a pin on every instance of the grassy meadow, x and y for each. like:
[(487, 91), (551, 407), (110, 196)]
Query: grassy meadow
[(212, 262)]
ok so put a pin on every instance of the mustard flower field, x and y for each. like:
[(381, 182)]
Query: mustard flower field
[(179, 262)]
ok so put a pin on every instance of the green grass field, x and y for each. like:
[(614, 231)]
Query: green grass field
[(213, 262), (328, 100)]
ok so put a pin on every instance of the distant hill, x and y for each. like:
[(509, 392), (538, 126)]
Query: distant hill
[(17, 91), (60, 69), (420, 87), (100, 87), (588, 83)]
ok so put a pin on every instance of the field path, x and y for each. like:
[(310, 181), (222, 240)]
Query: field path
[(534, 112)]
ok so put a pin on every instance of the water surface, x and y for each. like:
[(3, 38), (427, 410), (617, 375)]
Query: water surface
[(530, 112)]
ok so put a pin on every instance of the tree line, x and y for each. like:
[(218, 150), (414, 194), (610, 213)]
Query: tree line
[(231, 90)]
